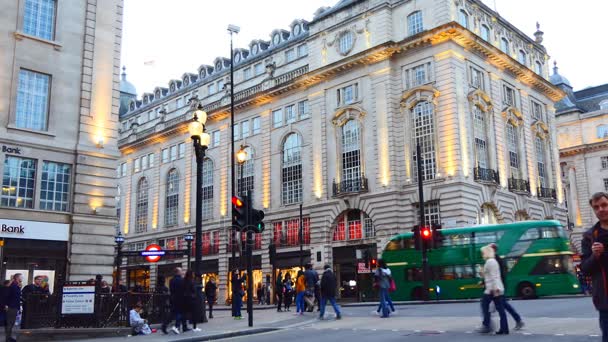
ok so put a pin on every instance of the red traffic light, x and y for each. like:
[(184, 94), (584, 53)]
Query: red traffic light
[(237, 202), (373, 262), (426, 232)]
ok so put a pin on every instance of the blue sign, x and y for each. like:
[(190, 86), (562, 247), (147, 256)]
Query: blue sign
[(152, 253)]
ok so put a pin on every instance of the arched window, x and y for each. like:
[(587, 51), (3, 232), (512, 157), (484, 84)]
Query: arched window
[(141, 212), (414, 23), (424, 134), (481, 138), (504, 45), (292, 169), (463, 19), (521, 57), (346, 42), (539, 146), (207, 206), (485, 32), (513, 148), (538, 68), (172, 198), (353, 224), (245, 180), (487, 215), (351, 156)]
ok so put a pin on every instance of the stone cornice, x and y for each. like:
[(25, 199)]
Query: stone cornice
[(585, 148)]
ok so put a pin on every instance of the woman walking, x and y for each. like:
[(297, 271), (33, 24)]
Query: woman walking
[(189, 293), (210, 293), (300, 292), (383, 281), (494, 292), (288, 295)]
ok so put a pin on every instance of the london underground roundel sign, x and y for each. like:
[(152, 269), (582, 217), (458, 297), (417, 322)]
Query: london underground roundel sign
[(152, 253)]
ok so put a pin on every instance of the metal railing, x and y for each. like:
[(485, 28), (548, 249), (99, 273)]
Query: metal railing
[(486, 175), (519, 185), (349, 186), (546, 193)]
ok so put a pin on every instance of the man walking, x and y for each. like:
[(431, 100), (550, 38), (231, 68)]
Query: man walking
[(176, 287), (503, 276), (328, 292), (312, 278), (13, 304), (595, 261)]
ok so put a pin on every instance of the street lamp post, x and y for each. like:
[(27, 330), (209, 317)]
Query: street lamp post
[(241, 157), (188, 237), (200, 141), (232, 29), (119, 239)]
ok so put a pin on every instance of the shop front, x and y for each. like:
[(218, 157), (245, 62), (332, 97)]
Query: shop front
[(34, 249), (289, 263), (354, 272), (258, 276), (209, 269), (138, 278)]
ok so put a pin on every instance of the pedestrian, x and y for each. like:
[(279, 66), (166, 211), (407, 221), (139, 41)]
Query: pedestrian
[(176, 287), (594, 259), (503, 277), (311, 278), (279, 291), (104, 287), (300, 292), (263, 294), (13, 304), (211, 294), (120, 288), (237, 294), (4, 288), (494, 292), (139, 325), (163, 303), (288, 295), (268, 294), (328, 292), (382, 278), (190, 301), (260, 294)]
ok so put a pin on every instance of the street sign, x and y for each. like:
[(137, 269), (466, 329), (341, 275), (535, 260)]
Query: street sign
[(362, 268), (152, 253), (78, 299)]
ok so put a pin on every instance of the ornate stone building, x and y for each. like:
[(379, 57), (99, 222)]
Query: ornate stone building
[(59, 74), (582, 129), (330, 112)]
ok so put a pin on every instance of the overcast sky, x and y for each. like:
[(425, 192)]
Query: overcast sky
[(163, 39)]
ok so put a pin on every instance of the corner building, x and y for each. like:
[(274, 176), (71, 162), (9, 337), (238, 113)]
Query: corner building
[(59, 78), (330, 112)]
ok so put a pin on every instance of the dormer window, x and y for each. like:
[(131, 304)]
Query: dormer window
[(296, 30), (255, 49), (346, 42), (276, 39), (186, 80), (157, 94), (218, 66), (172, 87), (237, 57), (202, 73)]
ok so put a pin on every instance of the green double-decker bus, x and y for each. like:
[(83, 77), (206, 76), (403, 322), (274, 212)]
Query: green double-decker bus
[(536, 254)]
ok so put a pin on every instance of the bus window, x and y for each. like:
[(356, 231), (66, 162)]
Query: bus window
[(550, 233), (530, 234), (555, 264), (395, 245), (456, 240), (511, 262), (519, 248), (485, 238), (413, 274), (464, 272)]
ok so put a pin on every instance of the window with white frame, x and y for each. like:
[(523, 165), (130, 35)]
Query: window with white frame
[(172, 198), (605, 184), (604, 162), (173, 150), (485, 32), (290, 114), (290, 55), (220, 85), (18, 182), (207, 184), (123, 169), (346, 42), (247, 73), (504, 46), (258, 69), (292, 169), (481, 138), (165, 155), (151, 159), (256, 125), (236, 129), (414, 23), (211, 89), (245, 129), (303, 109), (39, 18), (245, 180), (418, 75), (55, 186), (348, 95), (181, 150), (302, 50), (513, 148), (537, 111), (521, 57), (32, 100), (144, 162), (277, 118), (538, 68), (539, 146), (463, 18), (137, 165), (141, 212), (508, 96), (476, 79), (351, 154), (602, 131), (216, 138), (432, 212), (424, 134)]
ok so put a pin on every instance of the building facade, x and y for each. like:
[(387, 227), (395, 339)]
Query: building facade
[(59, 74), (582, 129), (330, 112)]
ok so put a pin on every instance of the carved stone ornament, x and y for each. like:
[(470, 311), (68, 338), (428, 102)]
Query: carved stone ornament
[(481, 99), (513, 115), (347, 113), (412, 96), (270, 69)]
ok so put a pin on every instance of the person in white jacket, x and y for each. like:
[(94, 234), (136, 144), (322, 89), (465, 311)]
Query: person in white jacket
[(140, 326), (494, 291)]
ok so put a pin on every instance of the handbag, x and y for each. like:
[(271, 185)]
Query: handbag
[(393, 286)]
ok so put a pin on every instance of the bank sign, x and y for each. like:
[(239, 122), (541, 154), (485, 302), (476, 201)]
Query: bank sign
[(16, 229)]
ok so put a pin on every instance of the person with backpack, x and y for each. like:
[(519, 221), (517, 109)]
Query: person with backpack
[(503, 276), (279, 291), (382, 277)]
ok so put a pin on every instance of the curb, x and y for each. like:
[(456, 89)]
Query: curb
[(239, 333), (454, 301)]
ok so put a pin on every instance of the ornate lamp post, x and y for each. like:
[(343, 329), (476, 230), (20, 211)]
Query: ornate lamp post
[(200, 141), (119, 239), (188, 237)]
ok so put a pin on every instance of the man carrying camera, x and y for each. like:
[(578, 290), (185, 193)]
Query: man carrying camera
[(595, 260)]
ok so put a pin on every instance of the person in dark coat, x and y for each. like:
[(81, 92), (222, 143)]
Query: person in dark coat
[(190, 306), (237, 294), (13, 304), (3, 294), (163, 303), (176, 286), (328, 292), (120, 287), (278, 288), (211, 294), (595, 259)]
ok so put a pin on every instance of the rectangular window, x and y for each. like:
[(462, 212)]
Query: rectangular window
[(602, 131), (537, 111), (476, 78), (55, 186), (173, 152), (303, 109), (32, 100), (347, 95), (256, 125), (220, 85), (431, 213), (508, 96), (137, 165), (245, 129), (290, 55), (235, 132), (39, 18), (144, 162), (151, 159), (605, 184), (123, 169), (277, 118), (290, 114), (247, 73), (414, 23), (258, 69), (418, 75), (605, 162), (182, 150), (165, 155), (211, 89), (216, 138), (18, 182), (302, 50)]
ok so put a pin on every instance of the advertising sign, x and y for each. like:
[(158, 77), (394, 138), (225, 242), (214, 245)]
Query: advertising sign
[(17, 229), (152, 253), (361, 268), (78, 299)]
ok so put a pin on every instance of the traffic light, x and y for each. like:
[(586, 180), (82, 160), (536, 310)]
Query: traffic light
[(417, 240), (437, 237), (239, 210), (257, 225), (427, 237), (373, 263)]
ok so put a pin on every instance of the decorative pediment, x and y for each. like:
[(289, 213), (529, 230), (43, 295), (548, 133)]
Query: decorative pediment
[(418, 94), (512, 114), (481, 99), (347, 113), (540, 129)]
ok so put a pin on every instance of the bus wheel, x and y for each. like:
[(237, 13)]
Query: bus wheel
[(526, 291), (417, 293)]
